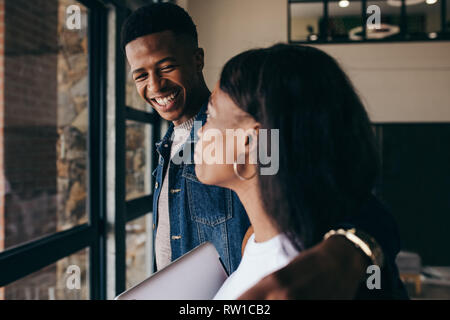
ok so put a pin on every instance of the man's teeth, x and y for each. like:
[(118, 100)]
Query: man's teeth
[(166, 100)]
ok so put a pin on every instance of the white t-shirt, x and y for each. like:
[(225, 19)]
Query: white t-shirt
[(163, 251), (259, 259)]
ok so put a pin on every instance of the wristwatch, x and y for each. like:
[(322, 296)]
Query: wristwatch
[(362, 241)]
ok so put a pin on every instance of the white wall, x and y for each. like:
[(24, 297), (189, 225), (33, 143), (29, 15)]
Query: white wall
[(399, 82), (227, 27)]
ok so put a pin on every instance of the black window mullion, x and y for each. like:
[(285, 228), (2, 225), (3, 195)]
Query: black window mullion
[(324, 28), (443, 17), (120, 205), (364, 19), (30, 257), (96, 149), (289, 22), (140, 116), (138, 207), (403, 21)]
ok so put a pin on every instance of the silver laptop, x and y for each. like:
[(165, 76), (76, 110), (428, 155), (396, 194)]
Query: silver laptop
[(197, 275)]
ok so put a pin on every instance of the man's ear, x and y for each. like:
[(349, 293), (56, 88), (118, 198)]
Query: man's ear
[(199, 57)]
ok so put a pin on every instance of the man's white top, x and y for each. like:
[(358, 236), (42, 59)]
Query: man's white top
[(163, 250), (259, 259)]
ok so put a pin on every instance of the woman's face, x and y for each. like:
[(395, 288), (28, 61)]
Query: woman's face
[(221, 140)]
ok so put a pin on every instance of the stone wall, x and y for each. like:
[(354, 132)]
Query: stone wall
[(72, 155), (72, 121)]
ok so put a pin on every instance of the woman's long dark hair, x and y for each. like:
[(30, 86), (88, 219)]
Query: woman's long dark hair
[(328, 158)]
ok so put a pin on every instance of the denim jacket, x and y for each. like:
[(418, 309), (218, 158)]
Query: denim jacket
[(198, 212)]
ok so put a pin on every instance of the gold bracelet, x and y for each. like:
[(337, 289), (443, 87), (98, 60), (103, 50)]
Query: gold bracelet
[(363, 241)]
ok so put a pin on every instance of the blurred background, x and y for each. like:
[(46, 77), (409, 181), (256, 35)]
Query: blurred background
[(77, 142)]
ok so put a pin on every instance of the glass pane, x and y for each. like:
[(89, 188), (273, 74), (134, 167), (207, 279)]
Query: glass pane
[(389, 20), (344, 19), (447, 25), (138, 159), (43, 120), (305, 21), (424, 18), (139, 250), (67, 279), (132, 98)]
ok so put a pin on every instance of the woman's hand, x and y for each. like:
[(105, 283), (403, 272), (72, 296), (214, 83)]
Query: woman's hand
[(333, 269)]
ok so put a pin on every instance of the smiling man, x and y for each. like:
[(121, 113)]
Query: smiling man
[(161, 45), (167, 69)]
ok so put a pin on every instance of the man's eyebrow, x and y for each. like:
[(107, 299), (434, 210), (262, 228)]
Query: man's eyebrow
[(137, 70), (172, 59)]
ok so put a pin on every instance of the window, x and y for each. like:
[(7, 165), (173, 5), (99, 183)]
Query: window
[(54, 100), (53, 282), (424, 19), (45, 123), (51, 148), (138, 160), (305, 21), (139, 250), (344, 20), (365, 20)]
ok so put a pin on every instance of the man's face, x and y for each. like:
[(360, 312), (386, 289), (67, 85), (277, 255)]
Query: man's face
[(167, 72)]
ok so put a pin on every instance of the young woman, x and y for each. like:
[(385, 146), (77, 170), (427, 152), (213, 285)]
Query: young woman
[(326, 151)]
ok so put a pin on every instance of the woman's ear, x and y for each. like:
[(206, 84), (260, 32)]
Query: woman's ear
[(252, 135), (252, 142)]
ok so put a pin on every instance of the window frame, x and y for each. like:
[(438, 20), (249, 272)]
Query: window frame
[(443, 35), (24, 259)]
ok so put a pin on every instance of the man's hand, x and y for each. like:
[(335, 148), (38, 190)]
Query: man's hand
[(333, 269)]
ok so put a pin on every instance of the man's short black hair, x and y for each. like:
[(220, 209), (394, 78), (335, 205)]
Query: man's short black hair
[(158, 17)]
